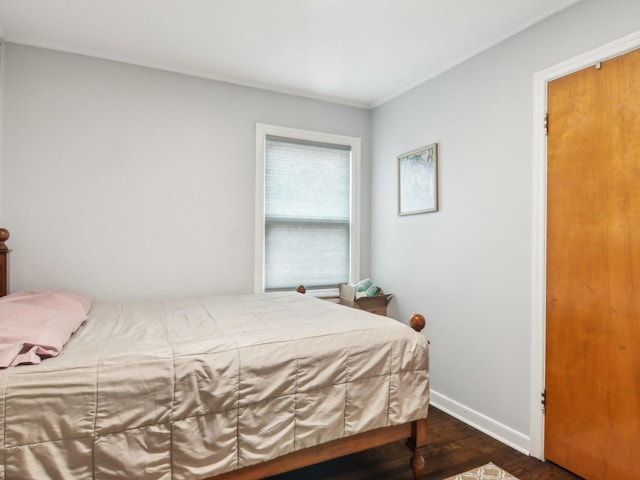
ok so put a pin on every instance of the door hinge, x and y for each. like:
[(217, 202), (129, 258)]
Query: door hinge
[(546, 124), (543, 400)]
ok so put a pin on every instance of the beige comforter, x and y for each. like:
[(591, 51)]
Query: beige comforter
[(197, 387)]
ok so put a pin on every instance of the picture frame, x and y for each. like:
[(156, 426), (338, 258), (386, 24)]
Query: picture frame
[(418, 181)]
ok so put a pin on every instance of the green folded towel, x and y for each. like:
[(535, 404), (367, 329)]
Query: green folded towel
[(368, 287)]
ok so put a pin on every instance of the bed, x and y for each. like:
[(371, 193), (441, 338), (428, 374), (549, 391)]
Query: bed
[(224, 387)]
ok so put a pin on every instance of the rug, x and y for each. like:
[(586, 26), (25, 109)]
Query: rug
[(486, 472)]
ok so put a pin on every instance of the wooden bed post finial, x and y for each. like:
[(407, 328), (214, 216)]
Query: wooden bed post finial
[(4, 236), (4, 262), (417, 322)]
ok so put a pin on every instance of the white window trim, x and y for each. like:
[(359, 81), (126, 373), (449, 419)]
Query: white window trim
[(262, 130)]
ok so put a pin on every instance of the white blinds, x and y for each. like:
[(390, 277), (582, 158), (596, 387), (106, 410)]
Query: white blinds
[(307, 213)]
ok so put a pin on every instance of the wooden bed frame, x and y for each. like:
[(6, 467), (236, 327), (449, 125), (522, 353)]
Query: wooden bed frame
[(414, 432)]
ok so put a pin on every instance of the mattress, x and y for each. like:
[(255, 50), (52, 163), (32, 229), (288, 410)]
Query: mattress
[(196, 387)]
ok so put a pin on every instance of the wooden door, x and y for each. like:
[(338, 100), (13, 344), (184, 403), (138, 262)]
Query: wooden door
[(592, 417)]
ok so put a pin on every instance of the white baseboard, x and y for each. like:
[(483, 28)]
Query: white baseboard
[(479, 421)]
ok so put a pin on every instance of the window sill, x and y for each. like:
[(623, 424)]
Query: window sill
[(324, 293)]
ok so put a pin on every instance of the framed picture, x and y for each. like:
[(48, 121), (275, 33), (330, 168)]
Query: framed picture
[(418, 181)]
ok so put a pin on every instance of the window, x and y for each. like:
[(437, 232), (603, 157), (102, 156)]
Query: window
[(307, 215)]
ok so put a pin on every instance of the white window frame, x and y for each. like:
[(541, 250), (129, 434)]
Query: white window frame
[(264, 130)]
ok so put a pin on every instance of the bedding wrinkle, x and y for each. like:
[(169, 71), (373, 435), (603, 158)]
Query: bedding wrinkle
[(173, 390), (295, 395), (345, 431), (389, 373), (116, 319), (229, 451), (3, 418)]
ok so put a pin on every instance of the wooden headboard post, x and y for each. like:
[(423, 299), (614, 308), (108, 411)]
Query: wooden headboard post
[(4, 262)]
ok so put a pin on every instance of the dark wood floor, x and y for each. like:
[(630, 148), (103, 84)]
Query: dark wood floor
[(453, 447)]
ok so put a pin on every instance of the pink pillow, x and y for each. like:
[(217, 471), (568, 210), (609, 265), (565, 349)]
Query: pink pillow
[(58, 299), (36, 324)]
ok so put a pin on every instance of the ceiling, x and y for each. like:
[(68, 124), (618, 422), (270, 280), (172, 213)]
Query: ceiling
[(356, 52)]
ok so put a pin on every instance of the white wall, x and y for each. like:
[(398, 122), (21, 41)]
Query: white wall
[(130, 182), (2, 53), (468, 266)]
